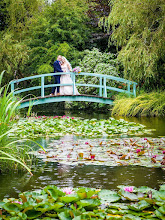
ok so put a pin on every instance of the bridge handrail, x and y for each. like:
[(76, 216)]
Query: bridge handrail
[(102, 84), (78, 74)]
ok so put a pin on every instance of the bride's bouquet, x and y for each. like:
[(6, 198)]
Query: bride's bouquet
[(77, 69)]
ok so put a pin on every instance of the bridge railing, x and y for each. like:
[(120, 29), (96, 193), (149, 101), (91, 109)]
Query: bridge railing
[(102, 86)]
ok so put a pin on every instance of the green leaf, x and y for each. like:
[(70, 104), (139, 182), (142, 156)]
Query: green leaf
[(131, 217), (162, 187), (69, 198), (139, 206), (108, 196), (32, 214), (64, 216), (162, 209), (128, 195), (11, 207), (89, 203), (159, 215)]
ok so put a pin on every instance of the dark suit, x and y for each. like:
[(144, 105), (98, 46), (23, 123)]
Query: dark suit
[(57, 69)]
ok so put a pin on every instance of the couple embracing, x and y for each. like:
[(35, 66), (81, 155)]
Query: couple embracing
[(62, 65)]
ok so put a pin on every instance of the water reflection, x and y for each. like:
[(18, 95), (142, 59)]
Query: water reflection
[(77, 176)]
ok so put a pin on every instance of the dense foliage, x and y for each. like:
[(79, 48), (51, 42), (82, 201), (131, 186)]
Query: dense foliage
[(130, 202), (138, 31), (95, 61), (146, 104), (33, 33)]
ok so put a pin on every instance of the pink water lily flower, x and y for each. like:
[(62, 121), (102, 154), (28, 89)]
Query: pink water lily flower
[(128, 189), (164, 152), (154, 156), (68, 190), (72, 117), (87, 142), (19, 202), (138, 150)]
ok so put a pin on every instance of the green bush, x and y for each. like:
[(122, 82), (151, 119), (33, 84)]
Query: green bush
[(95, 61)]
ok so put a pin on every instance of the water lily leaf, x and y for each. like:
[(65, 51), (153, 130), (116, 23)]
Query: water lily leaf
[(69, 198), (64, 216), (129, 196), (108, 196), (114, 217), (12, 207), (144, 189), (33, 214), (77, 218), (1, 204), (162, 209), (159, 215), (53, 191), (118, 206), (52, 215), (162, 188), (131, 217), (89, 202), (139, 206)]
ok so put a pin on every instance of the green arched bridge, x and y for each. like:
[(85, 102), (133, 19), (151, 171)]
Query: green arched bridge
[(103, 88)]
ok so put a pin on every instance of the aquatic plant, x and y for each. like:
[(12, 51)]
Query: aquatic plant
[(109, 152), (146, 104), (13, 153), (60, 126), (86, 203)]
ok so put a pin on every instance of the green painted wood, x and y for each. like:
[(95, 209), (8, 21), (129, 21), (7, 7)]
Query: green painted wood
[(105, 88), (12, 88), (51, 99), (42, 86), (100, 89), (102, 86), (26, 90), (134, 89)]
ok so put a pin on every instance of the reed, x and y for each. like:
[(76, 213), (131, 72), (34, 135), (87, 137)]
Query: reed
[(146, 104), (13, 153)]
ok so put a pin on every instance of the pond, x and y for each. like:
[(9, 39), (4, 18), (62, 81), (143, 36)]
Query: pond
[(100, 176)]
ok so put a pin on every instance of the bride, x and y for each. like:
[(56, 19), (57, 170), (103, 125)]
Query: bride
[(66, 79)]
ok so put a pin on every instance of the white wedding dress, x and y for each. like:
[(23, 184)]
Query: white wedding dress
[(66, 79)]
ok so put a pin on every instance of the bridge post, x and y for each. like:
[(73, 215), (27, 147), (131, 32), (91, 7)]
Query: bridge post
[(42, 86), (105, 88), (12, 88), (100, 89), (74, 87), (128, 88), (134, 89)]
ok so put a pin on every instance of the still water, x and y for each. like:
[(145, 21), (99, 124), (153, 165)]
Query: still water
[(75, 176), (87, 176)]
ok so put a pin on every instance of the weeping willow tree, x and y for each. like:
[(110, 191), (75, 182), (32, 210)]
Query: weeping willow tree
[(138, 31)]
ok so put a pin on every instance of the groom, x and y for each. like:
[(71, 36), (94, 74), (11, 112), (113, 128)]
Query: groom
[(57, 68)]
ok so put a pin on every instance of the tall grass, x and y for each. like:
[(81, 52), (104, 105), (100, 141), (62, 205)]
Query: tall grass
[(147, 104), (13, 153)]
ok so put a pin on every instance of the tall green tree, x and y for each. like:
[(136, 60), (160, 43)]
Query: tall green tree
[(139, 33), (13, 57), (60, 28)]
